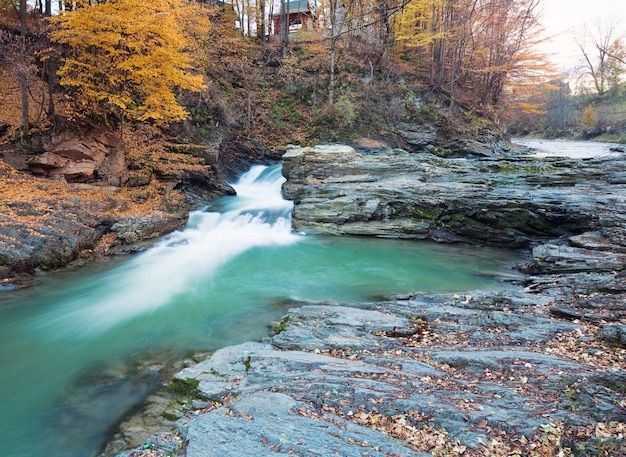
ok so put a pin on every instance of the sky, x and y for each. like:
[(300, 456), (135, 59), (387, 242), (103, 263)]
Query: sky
[(561, 17)]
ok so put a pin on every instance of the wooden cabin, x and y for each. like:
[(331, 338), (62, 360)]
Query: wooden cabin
[(301, 14)]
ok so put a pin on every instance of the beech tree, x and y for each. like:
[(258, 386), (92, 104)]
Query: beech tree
[(125, 59)]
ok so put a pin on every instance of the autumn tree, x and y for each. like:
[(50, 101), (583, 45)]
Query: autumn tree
[(559, 109), (21, 36), (23, 68), (19, 60), (126, 60), (371, 20), (416, 29), (589, 118), (603, 55), (472, 49), (616, 65)]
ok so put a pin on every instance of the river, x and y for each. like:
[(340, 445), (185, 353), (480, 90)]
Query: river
[(79, 349), (573, 149)]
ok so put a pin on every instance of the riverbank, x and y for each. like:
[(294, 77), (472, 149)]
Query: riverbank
[(68, 201), (536, 369), (493, 375), (519, 372), (47, 225)]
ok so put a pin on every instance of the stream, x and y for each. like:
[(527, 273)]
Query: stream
[(79, 349)]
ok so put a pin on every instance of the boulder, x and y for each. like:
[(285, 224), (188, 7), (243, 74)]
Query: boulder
[(99, 157), (138, 232), (614, 334), (50, 244)]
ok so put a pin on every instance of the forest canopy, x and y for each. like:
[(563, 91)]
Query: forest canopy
[(111, 62)]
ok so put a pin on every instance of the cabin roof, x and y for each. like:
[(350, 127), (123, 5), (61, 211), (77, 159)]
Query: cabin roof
[(298, 6)]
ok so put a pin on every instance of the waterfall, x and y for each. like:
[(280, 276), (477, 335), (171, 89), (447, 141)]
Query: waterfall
[(70, 343), (257, 216)]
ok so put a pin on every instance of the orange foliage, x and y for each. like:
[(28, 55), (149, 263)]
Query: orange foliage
[(473, 49)]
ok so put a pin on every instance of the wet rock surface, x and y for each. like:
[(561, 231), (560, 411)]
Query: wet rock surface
[(412, 375), (72, 200), (538, 368), (47, 234)]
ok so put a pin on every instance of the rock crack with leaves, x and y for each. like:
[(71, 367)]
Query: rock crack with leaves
[(494, 375)]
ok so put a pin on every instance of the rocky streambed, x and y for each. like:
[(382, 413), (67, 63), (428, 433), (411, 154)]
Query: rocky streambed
[(538, 368), (75, 200)]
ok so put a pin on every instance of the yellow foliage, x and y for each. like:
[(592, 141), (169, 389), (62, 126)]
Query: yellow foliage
[(415, 25), (474, 49), (589, 117), (127, 58), (531, 108), (551, 86)]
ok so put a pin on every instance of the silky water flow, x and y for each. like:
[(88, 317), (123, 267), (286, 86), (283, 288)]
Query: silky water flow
[(76, 347)]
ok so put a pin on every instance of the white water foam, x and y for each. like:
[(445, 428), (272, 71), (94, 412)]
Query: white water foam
[(154, 278)]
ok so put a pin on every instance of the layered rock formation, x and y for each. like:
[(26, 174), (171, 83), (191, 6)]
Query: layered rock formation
[(82, 160), (490, 374), (44, 231), (508, 201), (90, 197), (535, 369)]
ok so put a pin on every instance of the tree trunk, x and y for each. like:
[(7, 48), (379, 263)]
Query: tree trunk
[(284, 26), (260, 22), (248, 17), (335, 29), (249, 114), (331, 84), (50, 80), (23, 68)]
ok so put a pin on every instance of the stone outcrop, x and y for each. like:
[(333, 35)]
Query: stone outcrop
[(100, 157), (55, 237), (95, 199), (509, 201), (414, 375), (426, 137)]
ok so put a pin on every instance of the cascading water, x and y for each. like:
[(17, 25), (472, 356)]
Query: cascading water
[(258, 217), (67, 342)]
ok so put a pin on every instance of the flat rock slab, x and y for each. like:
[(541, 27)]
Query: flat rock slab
[(253, 366), (479, 360), (553, 258), (388, 378), (340, 327), (274, 424)]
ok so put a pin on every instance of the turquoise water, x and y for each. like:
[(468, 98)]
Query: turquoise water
[(72, 346)]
